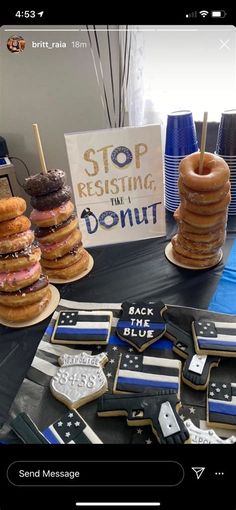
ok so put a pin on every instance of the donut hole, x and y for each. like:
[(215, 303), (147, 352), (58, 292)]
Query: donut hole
[(205, 171)]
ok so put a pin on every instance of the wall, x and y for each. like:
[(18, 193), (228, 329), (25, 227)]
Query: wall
[(55, 88)]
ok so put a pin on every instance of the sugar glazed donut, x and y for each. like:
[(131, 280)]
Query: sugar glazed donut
[(14, 226), (11, 208), (16, 242), (202, 214)]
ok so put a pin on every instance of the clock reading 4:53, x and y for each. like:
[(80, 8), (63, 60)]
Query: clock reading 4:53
[(28, 14)]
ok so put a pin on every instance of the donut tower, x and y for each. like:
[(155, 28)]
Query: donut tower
[(24, 291), (202, 214), (57, 231)]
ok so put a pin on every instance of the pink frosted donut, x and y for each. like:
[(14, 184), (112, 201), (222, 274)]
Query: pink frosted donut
[(12, 281), (52, 217), (16, 242)]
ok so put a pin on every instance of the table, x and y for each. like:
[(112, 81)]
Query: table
[(131, 271)]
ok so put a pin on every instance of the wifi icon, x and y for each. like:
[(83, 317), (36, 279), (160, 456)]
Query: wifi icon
[(204, 13)]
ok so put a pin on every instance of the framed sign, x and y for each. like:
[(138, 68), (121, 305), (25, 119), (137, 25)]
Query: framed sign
[(117, 178)]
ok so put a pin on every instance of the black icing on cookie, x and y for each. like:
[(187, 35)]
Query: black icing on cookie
[(42, 184), (157, 410), (141, 324), (214, 337), (51, 200), (27, 431), (196, 369), (221, 404)]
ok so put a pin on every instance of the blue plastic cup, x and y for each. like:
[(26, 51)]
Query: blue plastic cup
[(226, 140), (181, 138)]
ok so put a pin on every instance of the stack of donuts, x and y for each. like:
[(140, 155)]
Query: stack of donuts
[(202, 214), (24, 291), (57, 232)]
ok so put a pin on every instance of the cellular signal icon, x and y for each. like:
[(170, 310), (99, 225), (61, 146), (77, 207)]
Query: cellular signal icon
[(192, 15), (204, 13)]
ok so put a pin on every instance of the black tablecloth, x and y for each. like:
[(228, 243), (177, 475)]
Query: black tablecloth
[(132, 271)]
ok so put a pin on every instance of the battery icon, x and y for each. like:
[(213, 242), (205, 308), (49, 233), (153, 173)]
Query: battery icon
[(218, 14)]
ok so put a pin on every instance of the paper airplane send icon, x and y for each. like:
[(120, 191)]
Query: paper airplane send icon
[(198, 471)]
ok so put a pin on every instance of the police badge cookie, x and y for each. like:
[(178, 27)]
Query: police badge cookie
[(79, 379), (141, 324)]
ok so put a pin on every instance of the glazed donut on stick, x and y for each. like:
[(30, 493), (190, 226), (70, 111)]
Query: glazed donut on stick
[(187, 253), (27, 296), (14, 226), (42, 184), (206, 209), (192, 246), (67, 260), (203, 238), (51, 200), (186, 227), (57, 232), (195, 230), (55, 250), (52, 217), (197, 263), (16, 280), (16, 242), (26, 312), (71, 271), (20, 259), (11, 208), (203, 222), (203, 197), (215, 172)]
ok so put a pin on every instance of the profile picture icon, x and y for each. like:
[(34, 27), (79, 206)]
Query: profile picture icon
[(16, 44)]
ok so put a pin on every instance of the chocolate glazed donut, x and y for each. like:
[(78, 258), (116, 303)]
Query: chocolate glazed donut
[(51, 200), (42, 184)]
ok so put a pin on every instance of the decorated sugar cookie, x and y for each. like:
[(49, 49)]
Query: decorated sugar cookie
[(197, 368), (80, 379), (158, 410), (141, 324), (137, 373), (214, 337), (221, 404), (70, 429), (82, 327), (200, 436)]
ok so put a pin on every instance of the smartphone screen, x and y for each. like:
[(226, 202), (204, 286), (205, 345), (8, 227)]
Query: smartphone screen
[(117, 259)]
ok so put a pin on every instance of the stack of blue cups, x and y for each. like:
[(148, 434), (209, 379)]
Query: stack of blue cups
[(181, 140), (226, 148)]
